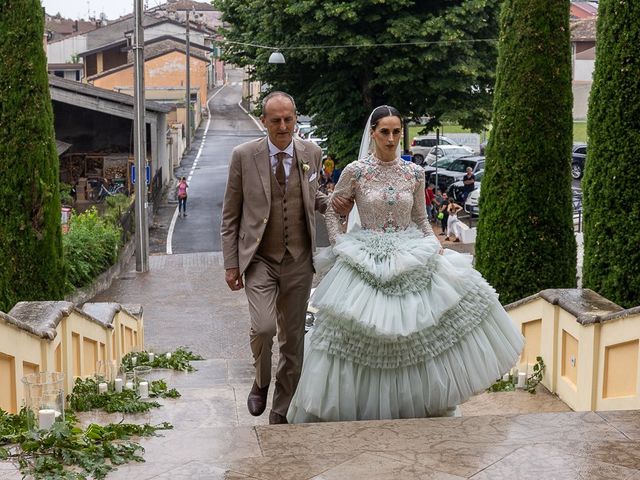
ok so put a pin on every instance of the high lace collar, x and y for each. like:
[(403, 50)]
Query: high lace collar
[(390, 163)]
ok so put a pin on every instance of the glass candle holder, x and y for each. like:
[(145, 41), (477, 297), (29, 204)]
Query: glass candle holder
[(44, 398)]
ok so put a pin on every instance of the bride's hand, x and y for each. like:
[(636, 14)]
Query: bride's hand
[(341, 205)]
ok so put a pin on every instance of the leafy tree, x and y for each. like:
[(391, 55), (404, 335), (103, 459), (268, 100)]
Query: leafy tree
[(525, 234), (611, 201), (452, 76), (31, 265)]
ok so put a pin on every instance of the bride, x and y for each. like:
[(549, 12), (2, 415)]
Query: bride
[(404, 328)]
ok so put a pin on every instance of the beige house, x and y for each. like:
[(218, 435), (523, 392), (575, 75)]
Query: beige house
[(583, 56)]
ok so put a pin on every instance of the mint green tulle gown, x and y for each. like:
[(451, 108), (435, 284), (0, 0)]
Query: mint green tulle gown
[(402, 331)]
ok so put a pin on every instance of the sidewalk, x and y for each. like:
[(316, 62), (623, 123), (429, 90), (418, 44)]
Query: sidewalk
[(501, 435)]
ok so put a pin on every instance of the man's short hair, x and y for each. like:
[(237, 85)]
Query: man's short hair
[(278, 93)]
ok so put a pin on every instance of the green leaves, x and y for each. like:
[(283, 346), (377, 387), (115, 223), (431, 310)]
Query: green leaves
[(180, 360), (85, 397), (525, 240), (340, 86), (69, 452)]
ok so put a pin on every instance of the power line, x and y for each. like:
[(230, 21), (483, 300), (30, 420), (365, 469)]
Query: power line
[(392, 44)]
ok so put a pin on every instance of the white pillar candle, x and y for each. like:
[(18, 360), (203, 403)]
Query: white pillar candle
[(168, 355), (143, 389), (134, 360), (152, 357), (128, 386), (118, 385), (505, 377), (102, 388), (46, 417), (522, 379)]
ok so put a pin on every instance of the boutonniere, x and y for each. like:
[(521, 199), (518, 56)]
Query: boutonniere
[(305, 166)]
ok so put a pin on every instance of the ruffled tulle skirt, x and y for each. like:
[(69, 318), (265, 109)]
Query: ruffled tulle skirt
[(401, 332)]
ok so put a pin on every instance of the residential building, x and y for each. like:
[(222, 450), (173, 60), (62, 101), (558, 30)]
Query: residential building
[(583, 48), (583, 10)]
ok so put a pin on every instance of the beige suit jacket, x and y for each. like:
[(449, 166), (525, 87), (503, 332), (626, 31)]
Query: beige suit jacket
[(247, 199)]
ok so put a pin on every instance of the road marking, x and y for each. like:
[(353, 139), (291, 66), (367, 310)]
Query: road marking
[(193, 168), (255, 120)]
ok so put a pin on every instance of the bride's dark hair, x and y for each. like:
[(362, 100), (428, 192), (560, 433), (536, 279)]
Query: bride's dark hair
[(381, 112)]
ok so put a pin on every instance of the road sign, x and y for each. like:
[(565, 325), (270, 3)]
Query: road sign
[(147, 174)]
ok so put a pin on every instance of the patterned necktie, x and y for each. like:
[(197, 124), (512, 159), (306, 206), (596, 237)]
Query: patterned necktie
[(280, 174)]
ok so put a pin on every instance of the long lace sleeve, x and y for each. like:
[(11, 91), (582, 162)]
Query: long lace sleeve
[(419, 210), (344, 188)]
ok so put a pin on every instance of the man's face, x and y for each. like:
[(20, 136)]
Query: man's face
[(469, 170), (279, 118)]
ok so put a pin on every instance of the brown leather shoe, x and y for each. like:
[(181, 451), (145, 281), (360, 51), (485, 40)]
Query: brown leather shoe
[(257, 400), (276, 419)]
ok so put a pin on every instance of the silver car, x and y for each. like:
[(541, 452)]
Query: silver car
[(421, 145)]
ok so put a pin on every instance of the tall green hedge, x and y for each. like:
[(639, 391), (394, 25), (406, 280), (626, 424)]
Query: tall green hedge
[(611, 179), (31, 264), (525, 233)]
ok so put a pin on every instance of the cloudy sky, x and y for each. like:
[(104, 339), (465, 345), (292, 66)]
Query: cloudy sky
[(80, 8)]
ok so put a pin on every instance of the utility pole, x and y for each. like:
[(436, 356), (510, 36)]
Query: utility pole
[(187, 99), (139, 143)]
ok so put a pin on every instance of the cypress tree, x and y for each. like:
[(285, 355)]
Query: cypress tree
[(525, 233), (31, 264), (611, 195)]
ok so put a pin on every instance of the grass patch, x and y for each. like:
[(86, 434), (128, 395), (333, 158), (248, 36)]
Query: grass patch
[(579, 131)]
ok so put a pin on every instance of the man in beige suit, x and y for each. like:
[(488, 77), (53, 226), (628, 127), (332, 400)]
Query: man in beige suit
[(268, 236)]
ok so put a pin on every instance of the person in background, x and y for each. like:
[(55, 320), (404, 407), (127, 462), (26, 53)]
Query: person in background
[(443, 213), (469, 184), (181, 193), (430, 198)]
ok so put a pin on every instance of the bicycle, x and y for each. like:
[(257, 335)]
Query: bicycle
[(101, 192)]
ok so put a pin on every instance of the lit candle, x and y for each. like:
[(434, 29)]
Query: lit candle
[(522, 379), (118, 385), (128, 386), (168, 355), (102, 388), (134, 360), (143, 389), (46, 417), (152, 357)]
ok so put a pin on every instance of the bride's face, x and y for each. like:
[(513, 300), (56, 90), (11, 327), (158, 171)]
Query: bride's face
[(386, 137)]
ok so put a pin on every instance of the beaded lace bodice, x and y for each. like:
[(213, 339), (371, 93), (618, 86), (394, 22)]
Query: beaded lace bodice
[(389, 196)]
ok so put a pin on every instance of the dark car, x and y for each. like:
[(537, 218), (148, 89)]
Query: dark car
[(578, 157), (457, 170)]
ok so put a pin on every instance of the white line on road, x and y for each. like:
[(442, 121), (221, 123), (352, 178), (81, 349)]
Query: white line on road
[(193, 168), (255, 120)]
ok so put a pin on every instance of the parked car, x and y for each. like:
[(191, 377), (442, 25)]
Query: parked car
[(421, 145), (457, 169), (471, 206), (320, 141), (447, 151), (430, 170), (456, 188), (304, 129), (578, 157)]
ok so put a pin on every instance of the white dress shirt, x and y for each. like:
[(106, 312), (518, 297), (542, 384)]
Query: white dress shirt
[(288, 159)]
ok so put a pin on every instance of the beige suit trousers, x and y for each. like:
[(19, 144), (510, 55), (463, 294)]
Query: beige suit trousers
[(278, 294)]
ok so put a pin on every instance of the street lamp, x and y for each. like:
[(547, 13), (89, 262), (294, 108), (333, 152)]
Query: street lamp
[(276, 57)]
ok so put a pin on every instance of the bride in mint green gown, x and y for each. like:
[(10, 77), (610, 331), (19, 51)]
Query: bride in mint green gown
[(404, 329)]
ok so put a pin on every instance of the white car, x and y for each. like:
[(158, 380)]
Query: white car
[(447, 152), (471, 206), (421, 145)]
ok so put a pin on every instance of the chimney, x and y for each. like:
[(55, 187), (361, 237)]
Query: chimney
[(75, 26)]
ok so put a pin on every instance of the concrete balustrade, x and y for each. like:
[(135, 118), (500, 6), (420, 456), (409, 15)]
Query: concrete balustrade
[(58, 336), (588, 343)]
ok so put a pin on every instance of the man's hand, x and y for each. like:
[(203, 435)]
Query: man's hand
[(342, 205), (233, 278)]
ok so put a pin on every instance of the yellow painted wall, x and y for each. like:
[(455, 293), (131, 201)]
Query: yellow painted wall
[(620, 370), (8, 383), (161, 72), (532, 332)]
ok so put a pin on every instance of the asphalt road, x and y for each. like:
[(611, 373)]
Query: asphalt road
[(199, 231)]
